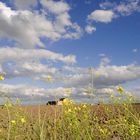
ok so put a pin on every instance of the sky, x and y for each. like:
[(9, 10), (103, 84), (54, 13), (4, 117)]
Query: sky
[(79, 44)]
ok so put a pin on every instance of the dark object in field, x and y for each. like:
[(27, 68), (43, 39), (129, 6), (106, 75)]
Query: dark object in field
[(62, 99), (59, 102), (52, 103), (2, 106)]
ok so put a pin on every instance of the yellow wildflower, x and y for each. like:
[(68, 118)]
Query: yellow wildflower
[(79, 108), (1, 78), (133, 129), (119, 98), (18, 100), (104, 131), (22, 120), (8, 105), (0, 130), (120, 90), (130, 98), (69, 110), (111, 96), (84, 106), (71, 102), (75, 108), (49, 78), (13, 122), (65, 102)]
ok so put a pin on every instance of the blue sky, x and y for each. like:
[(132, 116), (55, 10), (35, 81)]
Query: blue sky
[(43, 38)]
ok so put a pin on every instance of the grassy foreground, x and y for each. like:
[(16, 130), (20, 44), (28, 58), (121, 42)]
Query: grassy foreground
[(70, 122)]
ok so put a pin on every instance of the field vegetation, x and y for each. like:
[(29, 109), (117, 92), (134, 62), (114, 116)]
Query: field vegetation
[(119, 120), (70, 121)]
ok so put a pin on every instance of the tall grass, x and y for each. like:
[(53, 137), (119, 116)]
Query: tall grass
[(71, 122)]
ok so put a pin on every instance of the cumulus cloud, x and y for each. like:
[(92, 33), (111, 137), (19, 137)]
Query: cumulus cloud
[(21, 90), (27, 27), (111, 10), (105, 80), (26, 69), (24, 4), (104, 76), (56, 7), (104, 16), (27, 63), (17, 54), (18, 62), (30, 94), (27, 91), (90, 29)]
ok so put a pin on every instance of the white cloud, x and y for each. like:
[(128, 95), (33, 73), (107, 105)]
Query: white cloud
[(107, 5), (20, 90), (27, 91), (111, 10), (104, 16), (27, 27), (124, 8), (27, 63), (127, 8), (30, 91), (104, 76), (105, 80), (17, 54), (90, 29), (27, 69), (25, 4), (56, 7)]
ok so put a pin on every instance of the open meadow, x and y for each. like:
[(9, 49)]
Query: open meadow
[(70, 122)]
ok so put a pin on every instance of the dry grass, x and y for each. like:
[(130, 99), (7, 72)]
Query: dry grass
[(99, 122)]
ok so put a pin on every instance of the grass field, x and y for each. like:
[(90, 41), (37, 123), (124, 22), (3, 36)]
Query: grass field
[(70, 122)]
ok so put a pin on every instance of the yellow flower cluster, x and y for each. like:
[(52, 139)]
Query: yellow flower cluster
[(84, 106), (67, 102), (122, 119), (111, 96), (22, 119), (77, 108), (104, 131), (8, 105), (120, 90), (13, 122), (49, 78), (2, 78), (69, 111), (133, 129)]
